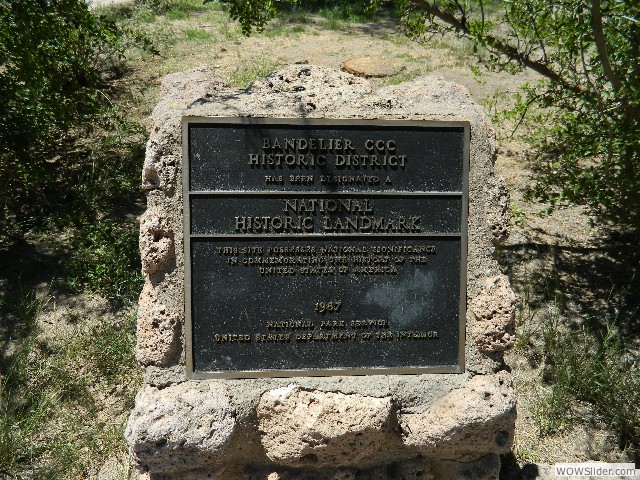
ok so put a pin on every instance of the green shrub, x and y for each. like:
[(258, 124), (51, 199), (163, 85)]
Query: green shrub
[(66, 153), (50, 51), (105, 260), (586, 105), (94, 172)]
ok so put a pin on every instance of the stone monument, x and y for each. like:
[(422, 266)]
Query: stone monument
[(321, 298)]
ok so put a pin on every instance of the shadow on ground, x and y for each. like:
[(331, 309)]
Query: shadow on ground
[(595, 286), (27, 272), (510, 470)]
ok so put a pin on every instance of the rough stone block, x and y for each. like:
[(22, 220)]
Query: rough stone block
[(190, 85), (156, 243), (158, 331), (477, 419), (494, 310), (301, 427), (159, 171), (181, 427)]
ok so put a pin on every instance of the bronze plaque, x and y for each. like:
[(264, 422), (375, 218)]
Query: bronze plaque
[(324, 247)]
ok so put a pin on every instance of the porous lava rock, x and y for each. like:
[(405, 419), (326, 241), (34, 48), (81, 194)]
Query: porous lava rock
[(158, 331), (326, 429), (494, 310), (476, 419), (181, 427), (156, 243)]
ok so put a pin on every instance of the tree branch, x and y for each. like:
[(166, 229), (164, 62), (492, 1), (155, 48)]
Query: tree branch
[(495, 43), (601, 45)]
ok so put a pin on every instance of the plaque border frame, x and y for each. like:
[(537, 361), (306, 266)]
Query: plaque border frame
[(281, 121)]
